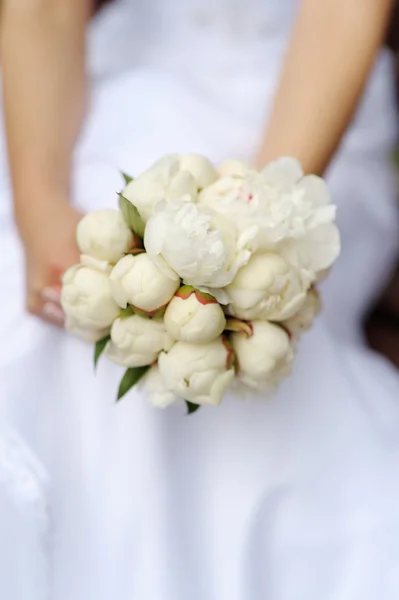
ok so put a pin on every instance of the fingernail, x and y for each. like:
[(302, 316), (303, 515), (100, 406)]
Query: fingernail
[(51, 294), (52, 311)]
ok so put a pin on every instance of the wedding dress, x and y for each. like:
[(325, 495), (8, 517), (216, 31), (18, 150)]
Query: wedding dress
[(293, 498)]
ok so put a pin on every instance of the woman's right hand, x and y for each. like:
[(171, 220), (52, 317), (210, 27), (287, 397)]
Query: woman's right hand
[(49, 238)]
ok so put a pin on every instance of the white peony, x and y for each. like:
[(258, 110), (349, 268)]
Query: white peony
[(315, 251), (164, 181), (199, 373), (303, 319), (234, 168), (200, 168), (86, 298), (279, 208), (87, 334), (158, 395), (137, 341), (136, 280), (267, 288), (96, 264), (192, 316), (104, 235), (194, 243), (264, 358)]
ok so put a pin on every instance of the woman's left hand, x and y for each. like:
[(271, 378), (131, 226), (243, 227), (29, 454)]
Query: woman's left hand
[(49, 239)]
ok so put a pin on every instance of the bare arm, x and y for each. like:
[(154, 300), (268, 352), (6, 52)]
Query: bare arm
[(332, 49), (42, 54)]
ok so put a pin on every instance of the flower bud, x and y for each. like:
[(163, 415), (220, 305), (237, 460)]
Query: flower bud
[(157, 393), (267, 288), (164, 181), (200, 168), (88, 335), (193, 316), (86, 298), (136, 280), (136, 342), (198, 373), (265, 357), (104, 235), (303, 319)]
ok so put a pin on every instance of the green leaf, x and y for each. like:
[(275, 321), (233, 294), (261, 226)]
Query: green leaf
[(126, 312), (99, 348), (191, 407), (131, 216), (130, 378), (126, 177)]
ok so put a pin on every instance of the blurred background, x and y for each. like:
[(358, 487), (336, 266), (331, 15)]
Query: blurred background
[(382, 325)]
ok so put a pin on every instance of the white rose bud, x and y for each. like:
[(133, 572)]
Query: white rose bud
[(137, 341), (104, 235), (193, 316), (267, 288), (200, 168), (265, 357), (86, 298), (136, 280), (164, 181), (303, 319), (200, 374), (157, 393)]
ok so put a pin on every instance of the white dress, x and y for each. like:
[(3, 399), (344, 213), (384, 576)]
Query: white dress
[(296, 498)]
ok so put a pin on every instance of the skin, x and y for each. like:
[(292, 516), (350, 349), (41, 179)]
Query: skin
[(330, 54), (44, 87)]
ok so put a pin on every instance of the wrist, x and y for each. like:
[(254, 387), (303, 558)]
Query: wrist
[(33, 210)]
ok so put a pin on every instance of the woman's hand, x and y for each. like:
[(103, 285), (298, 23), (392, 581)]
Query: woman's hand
[(49, 239), (44, 89)]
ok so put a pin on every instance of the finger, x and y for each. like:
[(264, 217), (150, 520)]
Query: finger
[(53, 312), (51, 294)]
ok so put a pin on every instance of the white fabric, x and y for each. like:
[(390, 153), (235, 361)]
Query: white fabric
[(295, 498)]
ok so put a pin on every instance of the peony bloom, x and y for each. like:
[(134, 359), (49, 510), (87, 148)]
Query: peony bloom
[(192, 316), (200, 374), (158, 394), (234, 168), (86, 334), (104, 235), (280, 209), (265, 357), (194, 243), (303, 319), (136, 280), (86, 299), (267, 288), (199, 167), (137, 341), (164, 181)]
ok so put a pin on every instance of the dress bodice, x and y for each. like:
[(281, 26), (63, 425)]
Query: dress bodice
[(230, 50), (192, 35)]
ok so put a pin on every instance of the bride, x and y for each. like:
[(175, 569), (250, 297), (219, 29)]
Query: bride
[(288, 499)]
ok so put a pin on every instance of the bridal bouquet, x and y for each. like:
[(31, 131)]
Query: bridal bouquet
[(204, 278)]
